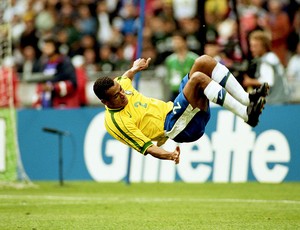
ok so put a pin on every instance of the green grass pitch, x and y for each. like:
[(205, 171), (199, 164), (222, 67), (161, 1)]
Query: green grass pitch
[(91, 205)]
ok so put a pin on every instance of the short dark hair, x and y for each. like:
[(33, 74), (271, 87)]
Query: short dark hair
[(180, 34), (101, 85), (53, 40)]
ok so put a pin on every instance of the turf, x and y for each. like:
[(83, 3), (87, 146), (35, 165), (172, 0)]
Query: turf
[(91, 205)]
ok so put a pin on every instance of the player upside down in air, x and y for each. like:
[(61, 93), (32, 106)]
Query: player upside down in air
[(137, 120)]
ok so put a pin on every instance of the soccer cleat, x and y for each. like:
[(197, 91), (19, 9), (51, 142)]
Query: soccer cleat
[(254, 110), (261, 91)]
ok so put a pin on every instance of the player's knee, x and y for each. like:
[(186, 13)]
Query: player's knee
[(199, 79), (205, 64)]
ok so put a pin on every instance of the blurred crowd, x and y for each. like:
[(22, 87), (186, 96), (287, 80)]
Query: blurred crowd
[(101, 35)]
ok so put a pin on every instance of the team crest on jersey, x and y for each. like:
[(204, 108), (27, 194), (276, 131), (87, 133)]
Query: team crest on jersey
[(128, 92)]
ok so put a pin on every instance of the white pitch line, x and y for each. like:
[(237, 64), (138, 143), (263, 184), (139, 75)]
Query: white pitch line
[(81, 199)]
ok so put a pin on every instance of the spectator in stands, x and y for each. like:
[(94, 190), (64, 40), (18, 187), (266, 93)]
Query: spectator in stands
[(105, 30), (13, 15), (60, 90), (106, 62), (86, 42), (130, 46), (293, 68), (86, 24), (160, 38), (81, 76), (184, 9), (129, 15), (65, 9), (16, 9), (8, 91), (278, 23), (179, 63), (63, 39), (121, 63), (293, 75), (269, 69), (30, 36), (66, 23), (216, 9), (46, 19), (228, 38), (248, 14), (117, 38), (150, 51), (294, 36), (91, 62), (31, 63), (191, 27), (213, 49), (116, 19), (256, 26)]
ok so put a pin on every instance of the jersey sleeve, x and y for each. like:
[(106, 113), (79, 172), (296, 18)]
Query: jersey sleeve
[(125, 82), (128, 134)]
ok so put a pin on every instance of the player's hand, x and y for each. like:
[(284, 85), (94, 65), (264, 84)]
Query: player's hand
[(140, 64), (176, 154)]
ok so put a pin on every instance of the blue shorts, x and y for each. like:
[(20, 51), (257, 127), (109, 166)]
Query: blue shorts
[(183, 123)]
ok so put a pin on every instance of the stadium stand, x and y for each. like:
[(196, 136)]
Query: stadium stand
[(108, 28)]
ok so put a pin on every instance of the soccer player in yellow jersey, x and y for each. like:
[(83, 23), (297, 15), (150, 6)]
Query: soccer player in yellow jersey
[(138, 121)]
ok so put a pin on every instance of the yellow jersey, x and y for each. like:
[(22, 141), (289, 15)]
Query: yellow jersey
[(140, 122)]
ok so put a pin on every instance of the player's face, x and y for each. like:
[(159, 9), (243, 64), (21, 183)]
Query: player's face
[(116, 97)]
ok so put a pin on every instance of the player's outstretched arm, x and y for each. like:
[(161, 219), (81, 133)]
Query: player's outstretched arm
[(163, 154), (138, 65)]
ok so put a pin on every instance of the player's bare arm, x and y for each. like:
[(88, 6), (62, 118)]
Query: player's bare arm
[(138, 65), (163, 154), (248, 81)]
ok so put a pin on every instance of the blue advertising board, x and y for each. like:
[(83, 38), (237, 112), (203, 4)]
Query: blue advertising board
[(230, 150)]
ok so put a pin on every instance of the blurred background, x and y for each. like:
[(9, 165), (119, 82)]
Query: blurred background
[(101, 38), (52, 125), (52, 51)]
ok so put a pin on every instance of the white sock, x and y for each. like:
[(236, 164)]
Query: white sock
[(217, 94), (222, 75)]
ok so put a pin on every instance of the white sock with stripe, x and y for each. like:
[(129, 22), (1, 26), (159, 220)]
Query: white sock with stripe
[(222, 75), (217, 94)]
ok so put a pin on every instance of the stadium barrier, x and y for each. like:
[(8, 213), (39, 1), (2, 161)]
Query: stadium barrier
[(230, 150), (150, 82)]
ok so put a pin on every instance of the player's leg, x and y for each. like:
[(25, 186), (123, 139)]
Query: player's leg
[(200, 82), (223, 76)]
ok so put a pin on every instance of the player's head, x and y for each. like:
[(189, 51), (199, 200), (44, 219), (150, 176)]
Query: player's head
[(260, 43), (110, 93)]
